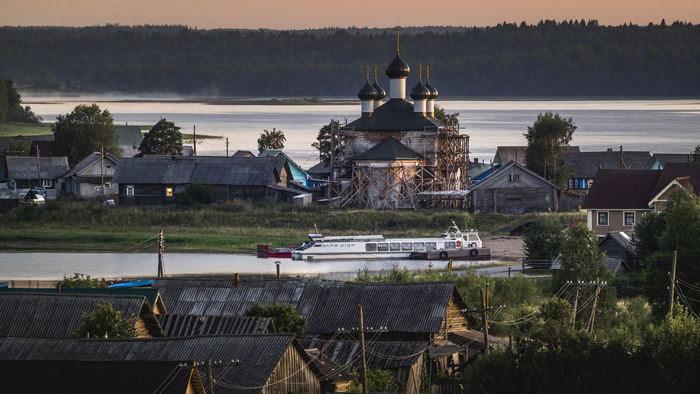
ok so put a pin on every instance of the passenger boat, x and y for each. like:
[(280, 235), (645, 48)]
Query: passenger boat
[(377, 247)]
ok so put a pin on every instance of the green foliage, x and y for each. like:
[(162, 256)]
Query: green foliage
[(396, 274), (85, 130), (545, 141), (197, 193), (543, 239), (378, 381), (271, 140), (285, 317), (164, 138), (106, 320), (696, 154), (80, 281), (11, 109), (323, 141), (647, 232), (448, 119), (18, 147)]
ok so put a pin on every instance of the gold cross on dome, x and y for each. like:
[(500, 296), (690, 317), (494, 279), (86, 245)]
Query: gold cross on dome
[(367, 73), (398, 29)]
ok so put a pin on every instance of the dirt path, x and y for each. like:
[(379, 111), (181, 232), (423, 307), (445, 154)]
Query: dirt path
[(505, 248)]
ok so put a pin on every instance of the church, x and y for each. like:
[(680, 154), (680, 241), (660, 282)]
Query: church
[(397, 155)]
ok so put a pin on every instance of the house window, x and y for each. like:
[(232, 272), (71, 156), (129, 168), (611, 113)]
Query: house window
[(169, 191), (514, 177), (602, 218), (46, 182), (130, 190), (629, 218), (108, 185)]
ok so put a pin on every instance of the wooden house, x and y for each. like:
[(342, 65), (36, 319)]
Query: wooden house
[(190, 325), (34, 315), (104, 377), (426, 310), (129, 139), (157, 180), (298, 174), (587, 164), (260, 363), (514, 189), (85, 179), (658, 160), (31, 172), (618, 244)]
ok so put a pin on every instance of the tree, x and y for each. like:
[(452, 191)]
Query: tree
[(378, 381), (164, 138), (323, 141), (79, 281), (197, 193), (647, 232), (285, 317), (18, 147), (543, 239), (451, 119), (85, 130), (271, 140), (106, 320), (696, 154), (545, 141)]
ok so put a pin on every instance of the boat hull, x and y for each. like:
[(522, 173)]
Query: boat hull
[(453, 254)]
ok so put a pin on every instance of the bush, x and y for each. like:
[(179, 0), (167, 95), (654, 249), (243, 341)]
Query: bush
[(197, 193)]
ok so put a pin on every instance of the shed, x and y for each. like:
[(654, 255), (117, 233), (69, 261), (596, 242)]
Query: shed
[(33, 315), (618, 244), (514, 189), (11, 199), (262, 363)]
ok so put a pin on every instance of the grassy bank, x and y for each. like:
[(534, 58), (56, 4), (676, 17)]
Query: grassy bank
[(13, 129), (90, 226)]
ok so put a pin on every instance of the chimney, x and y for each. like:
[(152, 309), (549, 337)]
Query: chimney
[(237, 280), (476, 160), (278, 263), (173, 158), (622, 160), (58, 287), (609, 149)]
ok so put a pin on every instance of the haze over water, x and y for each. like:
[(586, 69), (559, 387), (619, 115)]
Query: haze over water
[(658, 126)]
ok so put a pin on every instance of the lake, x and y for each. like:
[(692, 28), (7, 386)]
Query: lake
[(659, 126)]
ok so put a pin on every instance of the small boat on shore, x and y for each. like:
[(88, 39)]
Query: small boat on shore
[(277, 253), (453, 242)]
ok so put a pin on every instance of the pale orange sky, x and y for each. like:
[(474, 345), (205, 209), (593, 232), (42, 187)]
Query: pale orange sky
[(302, 14)]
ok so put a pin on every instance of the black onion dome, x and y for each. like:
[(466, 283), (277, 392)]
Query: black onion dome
[(367, 92), (380, 92), (433, 91), (398, 68), (420, 92)]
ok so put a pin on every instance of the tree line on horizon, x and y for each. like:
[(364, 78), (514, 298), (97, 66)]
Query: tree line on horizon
[(550, 58)]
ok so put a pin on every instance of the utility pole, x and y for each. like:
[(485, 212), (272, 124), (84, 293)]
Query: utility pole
[(210, 378), (573, 320), (102, 174), (38, 166), (673, 281), (226, 146), (591, 318), (362, 344), (485, 315), (160, 255)]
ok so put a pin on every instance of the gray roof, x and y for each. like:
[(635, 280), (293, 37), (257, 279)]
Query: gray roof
[(243, 153), (504, 154), (388, 150), (129, 135), (621, 238), (616, 265), (17, 194), (663, 158), (319, 169), (33, 315), (6, 141), (26, 167), (587, 164), (93, 157), (258, 354), (379, 354), (394, 115), (207, 170), (418, 307), (505, 170), (104, 377), (190, 325)]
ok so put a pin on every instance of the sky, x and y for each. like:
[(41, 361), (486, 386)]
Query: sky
[(305, 14)]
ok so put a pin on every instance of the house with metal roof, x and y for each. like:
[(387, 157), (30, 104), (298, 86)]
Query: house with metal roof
[(298, 173), (260, 363), (191, 325), (34, 315), (658, 160), (619, 245), (152, 295), (92, 177), (104, 377), (157, 180), (129, 138), (505, 154), (587, 164), (514, 189), (32, 172)]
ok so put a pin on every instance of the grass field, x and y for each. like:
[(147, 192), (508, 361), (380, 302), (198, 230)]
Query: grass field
[(27, 129)]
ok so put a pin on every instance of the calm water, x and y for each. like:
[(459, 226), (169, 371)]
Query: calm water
[(659, 126), (49, 266)]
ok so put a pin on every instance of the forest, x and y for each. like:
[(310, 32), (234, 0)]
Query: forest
[(550, 58)]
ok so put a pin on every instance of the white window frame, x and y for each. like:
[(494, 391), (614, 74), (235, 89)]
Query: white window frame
[(607, 218), (129, 190), (46, 183), (624, 218)]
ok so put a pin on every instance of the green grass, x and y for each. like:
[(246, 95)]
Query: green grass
[(14, 129)]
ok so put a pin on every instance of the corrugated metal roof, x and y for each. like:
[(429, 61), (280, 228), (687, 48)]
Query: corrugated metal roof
[(388, 150), (379, 354), (55, 315), (190, 325), (258, 354), (17, 194), (104, 377), (25, 167), (93, 157), (394, 115), (328, 368), (151, 295), (587, 164), (129, 135)]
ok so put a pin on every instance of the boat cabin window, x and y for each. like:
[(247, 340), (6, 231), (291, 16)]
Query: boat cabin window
[(383, 247), (473, 237), (406, 246), (419, 246), (450, 245), (395, 246), (370, 247), (431, 245)]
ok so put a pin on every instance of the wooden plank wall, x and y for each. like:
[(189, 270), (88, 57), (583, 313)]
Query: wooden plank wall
[(292, 376)]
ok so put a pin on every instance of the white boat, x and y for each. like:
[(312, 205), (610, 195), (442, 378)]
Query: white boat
[(377, 247)]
